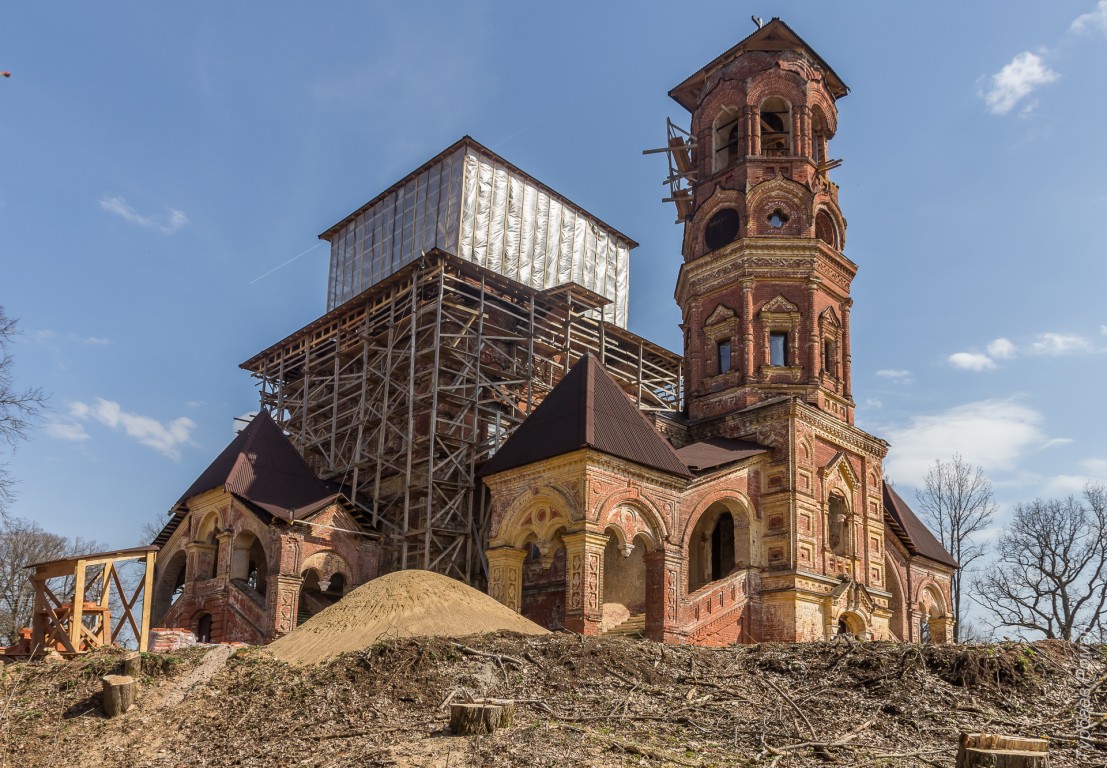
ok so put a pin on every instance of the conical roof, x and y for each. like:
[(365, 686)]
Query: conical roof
[(586, 409), (774, 36), (263, 467)]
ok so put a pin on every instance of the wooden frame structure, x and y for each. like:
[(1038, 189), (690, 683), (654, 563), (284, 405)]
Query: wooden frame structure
[(78, 625), (401, 393)]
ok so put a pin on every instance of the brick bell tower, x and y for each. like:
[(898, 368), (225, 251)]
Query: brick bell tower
[(764, 292), (764, 289)]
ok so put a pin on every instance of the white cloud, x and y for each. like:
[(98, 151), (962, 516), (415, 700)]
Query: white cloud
[(1018, 79), (168, 224), (72, 432), (167, 438), (1103, 330), (971, 361), (1056, 344), (1002, 349), (872, 402), (993, 434), (893, 373), (1093, 21)]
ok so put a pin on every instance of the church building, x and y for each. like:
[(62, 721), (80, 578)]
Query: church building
[(760, 512), (473, 403)]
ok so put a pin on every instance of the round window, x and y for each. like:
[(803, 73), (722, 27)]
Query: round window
[(722, 228)]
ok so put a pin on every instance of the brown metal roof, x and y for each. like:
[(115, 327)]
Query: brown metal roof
[(912, 532), (774, 36), (586, 409), (718, 451), (262, 467)]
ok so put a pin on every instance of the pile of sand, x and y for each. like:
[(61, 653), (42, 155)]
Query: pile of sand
[(401, 604)]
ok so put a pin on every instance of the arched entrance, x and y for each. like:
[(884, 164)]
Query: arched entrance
[(543, 582), (170, 585), (249, 562), (203, 628), (850, 623), (719, 545), (624, 581)]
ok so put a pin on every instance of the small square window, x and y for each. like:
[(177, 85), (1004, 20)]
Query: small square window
[(723, 357), (778, 348)]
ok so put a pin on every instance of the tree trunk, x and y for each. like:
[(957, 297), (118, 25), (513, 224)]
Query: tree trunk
[(475, 719), (119, 694), (987, 750), (132, 664)]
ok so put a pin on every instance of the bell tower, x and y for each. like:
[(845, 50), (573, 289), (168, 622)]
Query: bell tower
[(764, 290)]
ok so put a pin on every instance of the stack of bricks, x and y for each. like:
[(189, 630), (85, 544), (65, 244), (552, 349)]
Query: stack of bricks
[(167, 639)]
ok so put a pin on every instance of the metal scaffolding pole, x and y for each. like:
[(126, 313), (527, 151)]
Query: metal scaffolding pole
[(401, 394)]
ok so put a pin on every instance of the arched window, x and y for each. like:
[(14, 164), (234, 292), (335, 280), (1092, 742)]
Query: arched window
[(726, 136), (818, 137), (337, 585), (775, 124), (826, 231), (838, 529)]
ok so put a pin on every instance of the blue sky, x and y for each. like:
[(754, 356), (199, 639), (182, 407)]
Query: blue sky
[(165, 171)]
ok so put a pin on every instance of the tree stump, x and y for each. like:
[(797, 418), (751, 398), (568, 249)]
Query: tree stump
[(119, 694), (989, 750), (131, 664), (507, 719), (475, 719)]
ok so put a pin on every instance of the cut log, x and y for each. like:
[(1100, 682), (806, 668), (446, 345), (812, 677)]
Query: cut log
[(132, 664), (119, 694), (989, 750), (475, 719), (507, 719)]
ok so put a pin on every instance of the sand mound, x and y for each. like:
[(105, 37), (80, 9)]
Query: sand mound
[(401, 604)]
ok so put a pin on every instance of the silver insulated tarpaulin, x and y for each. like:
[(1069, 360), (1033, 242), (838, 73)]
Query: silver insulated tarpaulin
[(475, 205)]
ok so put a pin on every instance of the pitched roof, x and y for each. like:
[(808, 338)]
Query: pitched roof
[(716, 452), (262, 467), (586, 409), (774, 36), (911, 531)]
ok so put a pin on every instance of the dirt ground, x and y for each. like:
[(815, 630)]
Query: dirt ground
[(583, 702)]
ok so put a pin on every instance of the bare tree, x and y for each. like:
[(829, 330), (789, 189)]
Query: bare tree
[(22, 542), (18, 408), (1051, 576), (958, 502)]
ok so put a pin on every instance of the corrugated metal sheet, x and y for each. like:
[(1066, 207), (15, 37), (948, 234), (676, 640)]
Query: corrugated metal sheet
[(471, 203), (261, 466), (717, 452), (917, 537), (587, 409)]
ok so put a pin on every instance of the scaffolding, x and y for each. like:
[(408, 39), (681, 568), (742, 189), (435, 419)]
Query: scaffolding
[(401, 393)]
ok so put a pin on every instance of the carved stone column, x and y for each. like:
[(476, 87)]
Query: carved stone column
[(749, 370), (223, 555), (284, 604), (813, 332), (583, 587), (505, 576), (663, 591), (847, 386)]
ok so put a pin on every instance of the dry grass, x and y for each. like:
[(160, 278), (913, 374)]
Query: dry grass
[(594, 702)]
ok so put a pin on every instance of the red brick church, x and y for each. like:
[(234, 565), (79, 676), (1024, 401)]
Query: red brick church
[(758, 512)]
